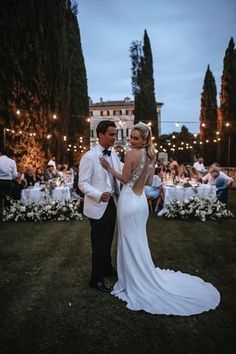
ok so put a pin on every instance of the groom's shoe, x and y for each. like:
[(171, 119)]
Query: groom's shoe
[(111, 273), (100, 285)]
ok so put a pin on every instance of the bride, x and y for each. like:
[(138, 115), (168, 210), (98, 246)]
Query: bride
[(140, 284)]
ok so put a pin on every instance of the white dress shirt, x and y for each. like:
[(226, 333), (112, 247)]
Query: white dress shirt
[(199, 166), (211, 180), (8, 169)]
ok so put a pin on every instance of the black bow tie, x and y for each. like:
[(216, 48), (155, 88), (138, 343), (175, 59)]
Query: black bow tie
[(106, 152)]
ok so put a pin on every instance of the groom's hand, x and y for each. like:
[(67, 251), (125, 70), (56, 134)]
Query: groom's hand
[(105, 197)]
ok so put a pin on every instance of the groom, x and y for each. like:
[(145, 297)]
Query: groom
[(101, 191)]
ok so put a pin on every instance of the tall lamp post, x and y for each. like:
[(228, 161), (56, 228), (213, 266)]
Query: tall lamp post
[(229, 147)]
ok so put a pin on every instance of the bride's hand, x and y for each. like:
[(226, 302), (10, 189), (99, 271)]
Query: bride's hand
[(105, 164)]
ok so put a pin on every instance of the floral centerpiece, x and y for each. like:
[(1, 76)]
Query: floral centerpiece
[(54, 210), (49, 186), (201, 209)]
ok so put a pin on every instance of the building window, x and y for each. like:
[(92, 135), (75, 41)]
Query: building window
[(91, 113), (128, 112), (128, 131), (120, 134), (108, 113), (91, 134), (118, 112), (101, 112)]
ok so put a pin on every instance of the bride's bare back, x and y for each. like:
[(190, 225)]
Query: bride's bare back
[(142, 170)]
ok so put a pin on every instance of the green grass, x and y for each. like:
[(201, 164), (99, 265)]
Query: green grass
[(47, 306)]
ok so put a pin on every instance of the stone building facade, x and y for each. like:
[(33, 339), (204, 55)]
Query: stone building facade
[(122, 113)]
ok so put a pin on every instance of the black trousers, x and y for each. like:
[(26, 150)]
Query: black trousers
[(6, 189), (102, 232)]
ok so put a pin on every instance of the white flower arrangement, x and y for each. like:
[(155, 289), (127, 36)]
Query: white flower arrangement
[(54, 210), (194, 207), (49, 186)]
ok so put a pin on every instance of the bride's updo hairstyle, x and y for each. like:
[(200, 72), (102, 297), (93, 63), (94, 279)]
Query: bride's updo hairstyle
[(146, 136)]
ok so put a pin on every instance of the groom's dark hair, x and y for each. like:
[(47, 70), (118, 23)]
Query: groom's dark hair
[(104, 125)]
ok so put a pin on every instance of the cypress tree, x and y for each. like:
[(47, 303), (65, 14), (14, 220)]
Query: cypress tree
[(208, 118), (227, 117), (42, 73), (143, 83)]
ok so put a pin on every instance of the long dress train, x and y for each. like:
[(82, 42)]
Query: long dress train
[(140, 283)]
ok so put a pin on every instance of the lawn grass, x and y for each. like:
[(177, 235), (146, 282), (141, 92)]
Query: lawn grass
[(47, 306)]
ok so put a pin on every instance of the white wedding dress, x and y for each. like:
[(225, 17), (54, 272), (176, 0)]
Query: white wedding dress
[(140, 283)]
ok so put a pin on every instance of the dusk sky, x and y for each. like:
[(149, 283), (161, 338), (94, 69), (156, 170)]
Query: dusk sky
[(185, 35)]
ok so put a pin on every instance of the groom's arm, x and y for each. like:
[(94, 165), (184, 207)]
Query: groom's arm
[(85, 178)]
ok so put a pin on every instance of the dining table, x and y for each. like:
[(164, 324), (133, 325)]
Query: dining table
[(41, 195), (173, 192)]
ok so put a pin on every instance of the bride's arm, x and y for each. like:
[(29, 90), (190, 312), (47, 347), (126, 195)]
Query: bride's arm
[(123, 177)]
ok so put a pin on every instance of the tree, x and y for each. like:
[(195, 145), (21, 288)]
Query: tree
[(143, 83), (208, 118), (227, 116), (178, 145), (42, 73)]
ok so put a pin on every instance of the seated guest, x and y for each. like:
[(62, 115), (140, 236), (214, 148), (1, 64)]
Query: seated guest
[(155, 190), (172, 163), (199, 165), (29, 177), (52, 162), (220, 180), (39, 175), (70, 173), (19, 184), (182, 170), (194, 174), (175, 171), (49, 173), (62, 173)]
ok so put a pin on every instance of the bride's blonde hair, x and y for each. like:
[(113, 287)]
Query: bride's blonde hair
[(146, 136)]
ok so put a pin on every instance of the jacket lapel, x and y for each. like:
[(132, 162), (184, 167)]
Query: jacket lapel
[(101, 169)]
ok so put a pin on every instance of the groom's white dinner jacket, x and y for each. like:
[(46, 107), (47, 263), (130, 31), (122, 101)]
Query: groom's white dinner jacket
[(95, 180)]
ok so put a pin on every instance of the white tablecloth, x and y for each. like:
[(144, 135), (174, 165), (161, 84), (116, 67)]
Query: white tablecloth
[(37, 196), (176, 192)]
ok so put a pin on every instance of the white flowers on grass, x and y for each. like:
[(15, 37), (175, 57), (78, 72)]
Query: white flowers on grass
[(194, 207), (54, 210)]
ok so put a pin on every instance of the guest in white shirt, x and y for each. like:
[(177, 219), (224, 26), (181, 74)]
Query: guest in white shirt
[(220, 180), (199, 165), (52, 162), (8, 173)]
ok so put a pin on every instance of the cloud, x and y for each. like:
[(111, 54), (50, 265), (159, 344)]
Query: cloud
[(185, 36)]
